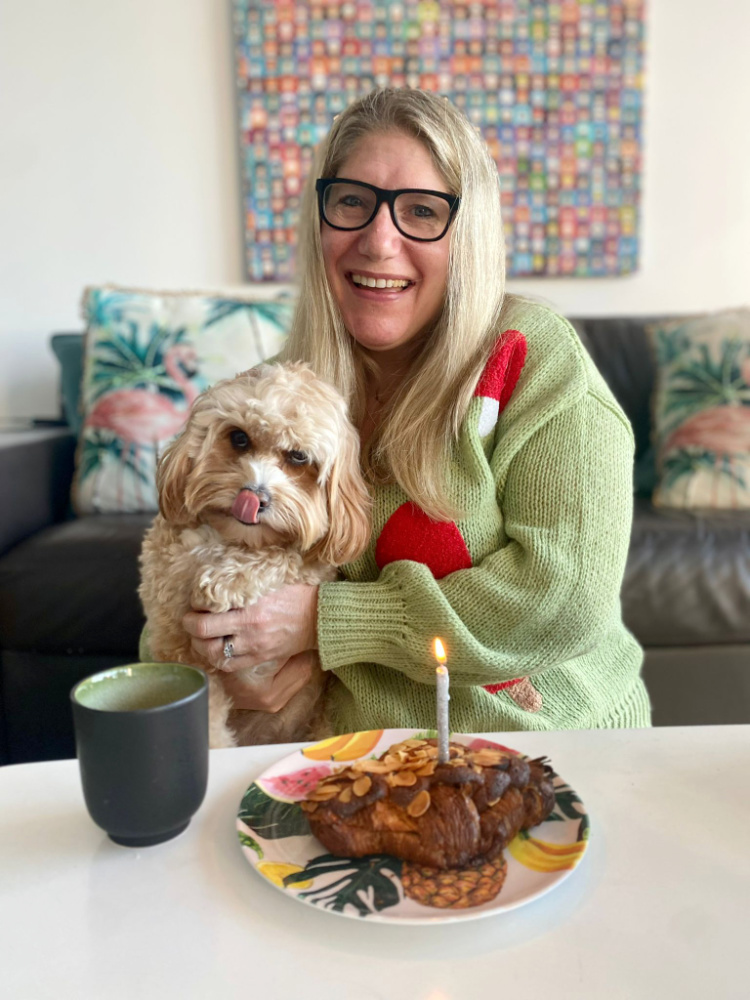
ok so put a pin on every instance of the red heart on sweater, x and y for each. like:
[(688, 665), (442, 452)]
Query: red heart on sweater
[(410, 534)]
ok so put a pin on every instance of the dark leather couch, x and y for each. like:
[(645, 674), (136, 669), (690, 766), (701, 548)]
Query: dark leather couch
[(68, 603)]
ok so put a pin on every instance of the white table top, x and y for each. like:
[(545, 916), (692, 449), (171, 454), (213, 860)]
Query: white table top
[(658, 907)]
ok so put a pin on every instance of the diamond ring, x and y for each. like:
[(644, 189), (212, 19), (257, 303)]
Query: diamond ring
[(228, 649)]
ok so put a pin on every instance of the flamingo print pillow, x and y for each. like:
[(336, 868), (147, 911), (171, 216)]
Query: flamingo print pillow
[(702, 411), (147, 356)]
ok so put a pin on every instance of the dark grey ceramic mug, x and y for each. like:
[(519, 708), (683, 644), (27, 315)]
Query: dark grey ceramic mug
[(142, 745)]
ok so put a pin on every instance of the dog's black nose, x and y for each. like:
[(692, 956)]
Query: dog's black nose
[(261, 493)]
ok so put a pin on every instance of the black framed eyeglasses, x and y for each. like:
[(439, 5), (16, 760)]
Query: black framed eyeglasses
[(417, 214)]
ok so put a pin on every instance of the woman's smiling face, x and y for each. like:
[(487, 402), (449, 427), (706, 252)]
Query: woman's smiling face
[(386, 319)]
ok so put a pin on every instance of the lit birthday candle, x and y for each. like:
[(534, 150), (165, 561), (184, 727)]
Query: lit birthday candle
[(443, 679)]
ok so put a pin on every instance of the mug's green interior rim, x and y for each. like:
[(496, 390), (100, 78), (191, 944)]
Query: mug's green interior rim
[(191, 681)]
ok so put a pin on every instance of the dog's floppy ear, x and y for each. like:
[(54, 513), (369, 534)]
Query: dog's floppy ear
[(348, 505), (172, 472), (182, 458)]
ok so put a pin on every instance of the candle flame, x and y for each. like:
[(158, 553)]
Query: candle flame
[(439, 650)]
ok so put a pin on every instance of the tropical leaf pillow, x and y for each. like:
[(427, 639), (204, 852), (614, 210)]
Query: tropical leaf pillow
[(702, 410), (147, 356)]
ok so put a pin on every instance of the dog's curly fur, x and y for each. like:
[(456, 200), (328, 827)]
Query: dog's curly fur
[(282, 434)]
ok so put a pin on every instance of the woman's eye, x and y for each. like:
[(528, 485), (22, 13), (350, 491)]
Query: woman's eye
[(239, 440), (297, 458), (423, 211)]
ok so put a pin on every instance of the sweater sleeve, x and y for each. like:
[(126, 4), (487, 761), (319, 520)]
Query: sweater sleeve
[(549, 594)]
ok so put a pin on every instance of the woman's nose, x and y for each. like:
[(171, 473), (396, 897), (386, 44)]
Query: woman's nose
[(380, 238)]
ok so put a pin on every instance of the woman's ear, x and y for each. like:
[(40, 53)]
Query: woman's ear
[(172, 472), (348, 505)]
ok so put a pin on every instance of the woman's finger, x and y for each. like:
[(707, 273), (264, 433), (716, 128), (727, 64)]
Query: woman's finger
[(213, 625), (278, 691), (212, 651)]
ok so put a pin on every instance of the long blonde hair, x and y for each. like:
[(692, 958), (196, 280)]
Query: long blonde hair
[(413, 443)]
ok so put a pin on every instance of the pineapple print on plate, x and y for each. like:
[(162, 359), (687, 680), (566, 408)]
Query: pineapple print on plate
[(454, 888)]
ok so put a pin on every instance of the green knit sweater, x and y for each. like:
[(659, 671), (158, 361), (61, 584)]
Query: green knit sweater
[(524, 590)]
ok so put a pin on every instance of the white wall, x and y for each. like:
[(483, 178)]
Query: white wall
[(118, 163)]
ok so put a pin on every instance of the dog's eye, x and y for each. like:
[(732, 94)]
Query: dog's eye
[(239, 440), (297, 458)]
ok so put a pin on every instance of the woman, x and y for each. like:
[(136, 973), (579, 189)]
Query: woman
[(500, 463)]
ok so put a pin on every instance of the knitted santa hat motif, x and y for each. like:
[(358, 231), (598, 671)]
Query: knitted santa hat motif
[(498, 380)]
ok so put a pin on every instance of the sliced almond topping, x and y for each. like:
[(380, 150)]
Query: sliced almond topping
[(309, 807), (413, 743), (346, 795), (419, 804), (325, 793), (427, 769), (403, 778), (375, 766), (362, 785)]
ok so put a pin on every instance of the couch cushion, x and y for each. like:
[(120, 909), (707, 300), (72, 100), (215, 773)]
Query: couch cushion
[(72, 588), (702, 410), (147, 356), (687, 580)]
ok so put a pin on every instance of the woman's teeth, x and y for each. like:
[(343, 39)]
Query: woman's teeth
[(359, 279)]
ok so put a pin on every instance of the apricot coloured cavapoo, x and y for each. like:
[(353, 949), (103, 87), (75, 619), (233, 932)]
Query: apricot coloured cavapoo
[(262, 488)]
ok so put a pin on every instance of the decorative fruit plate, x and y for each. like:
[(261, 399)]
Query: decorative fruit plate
[(276, 840)]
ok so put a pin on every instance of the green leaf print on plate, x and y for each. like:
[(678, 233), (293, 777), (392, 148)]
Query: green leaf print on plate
[(270, 818), (368, 884)]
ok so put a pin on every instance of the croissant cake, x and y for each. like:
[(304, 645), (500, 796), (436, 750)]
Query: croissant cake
[(406, 804)]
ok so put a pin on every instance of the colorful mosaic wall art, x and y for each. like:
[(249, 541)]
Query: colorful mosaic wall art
[(556, 89)]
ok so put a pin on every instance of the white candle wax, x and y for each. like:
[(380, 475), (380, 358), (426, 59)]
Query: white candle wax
[(443, 728)]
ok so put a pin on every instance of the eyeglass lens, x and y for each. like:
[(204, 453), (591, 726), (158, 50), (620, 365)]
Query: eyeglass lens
[(349, 206)]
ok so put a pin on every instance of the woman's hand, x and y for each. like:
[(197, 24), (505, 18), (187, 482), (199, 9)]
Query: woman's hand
[(273, 693), (275, 628)]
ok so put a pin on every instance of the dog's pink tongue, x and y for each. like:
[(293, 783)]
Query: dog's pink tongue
[(245, 507)]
